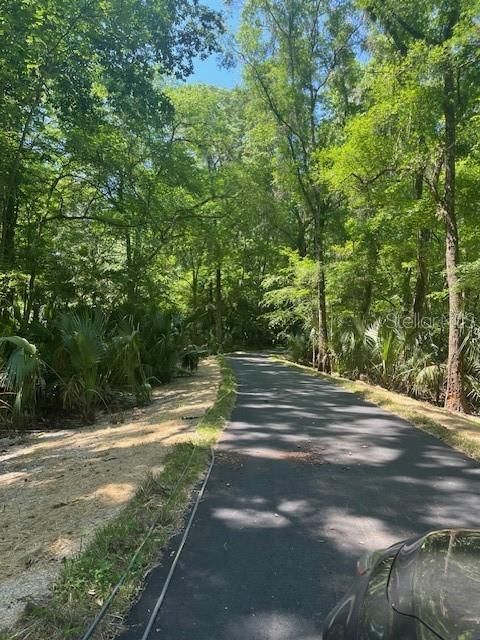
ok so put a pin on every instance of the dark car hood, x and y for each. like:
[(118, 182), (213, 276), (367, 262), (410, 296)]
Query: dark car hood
[(437, 580)]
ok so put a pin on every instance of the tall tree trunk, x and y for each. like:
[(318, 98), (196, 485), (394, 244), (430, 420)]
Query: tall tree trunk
[(129, 264), (301, 239), (218, 309), (372, 261), (323, 352), (423, 237), (314, 347), (29, 300), (421, 280), (323, 361), (454, 397), (406, 291), (9, 224), (211, 306), (195, 271), (9, 209), (9, 215)]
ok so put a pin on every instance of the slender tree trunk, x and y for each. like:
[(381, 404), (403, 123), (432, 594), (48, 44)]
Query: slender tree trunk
[(218, 309), (423, 237), (9, 224), (407, 291), (421, 280), (29, 298), (323, 361), (454, 397), (194, 302), (9, 215), (323, 353), (9, 210), (372, 261), (211, 305), (301, 239), (314, 344), (130, 279)]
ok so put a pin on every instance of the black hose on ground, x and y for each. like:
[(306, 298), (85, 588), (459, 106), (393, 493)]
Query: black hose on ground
[(106, 605), (163, 593)]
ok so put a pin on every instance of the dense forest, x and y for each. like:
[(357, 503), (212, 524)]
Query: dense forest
[(329, 204)]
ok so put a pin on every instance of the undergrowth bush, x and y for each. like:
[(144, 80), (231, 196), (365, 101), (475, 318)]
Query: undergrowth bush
[(409, 361), (84, 359), (298, 347)]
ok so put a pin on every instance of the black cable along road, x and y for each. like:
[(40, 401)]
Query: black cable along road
[(307, 478), (106, 605), (163, 593)]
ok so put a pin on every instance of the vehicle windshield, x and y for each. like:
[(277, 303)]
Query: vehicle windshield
[(437, 580)]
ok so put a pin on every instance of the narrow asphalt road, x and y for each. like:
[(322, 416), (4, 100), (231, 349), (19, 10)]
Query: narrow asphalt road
[(307, 478)]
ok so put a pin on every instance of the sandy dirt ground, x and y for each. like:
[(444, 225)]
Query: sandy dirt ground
[(59, 486)]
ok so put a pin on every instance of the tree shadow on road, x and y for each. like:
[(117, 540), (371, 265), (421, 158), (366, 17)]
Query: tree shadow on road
[(308, 477)]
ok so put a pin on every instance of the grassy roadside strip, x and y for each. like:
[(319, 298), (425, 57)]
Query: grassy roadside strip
[(458, 431), (86, 580)]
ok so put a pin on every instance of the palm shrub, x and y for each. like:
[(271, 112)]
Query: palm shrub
[(124, 363), (405, 359), (21, 375), (427, 371), (430, 381), (298, 347), (471, 362), (161, 345), (350, 350), (385, 346), (422, 375), (79, 359), (375, 350)]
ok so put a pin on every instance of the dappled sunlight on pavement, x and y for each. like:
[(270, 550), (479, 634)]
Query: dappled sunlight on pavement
[(273, 625), (307, 478), (250, 518)]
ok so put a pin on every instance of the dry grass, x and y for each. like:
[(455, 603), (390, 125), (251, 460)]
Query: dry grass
[(58, 488), (459, 431)]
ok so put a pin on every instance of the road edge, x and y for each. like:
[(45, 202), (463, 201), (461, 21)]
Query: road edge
[(458, 439)]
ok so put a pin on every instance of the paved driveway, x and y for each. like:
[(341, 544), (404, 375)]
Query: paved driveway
[(307, 478)]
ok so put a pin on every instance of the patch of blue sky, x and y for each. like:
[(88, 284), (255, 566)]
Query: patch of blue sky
[(212, 71)]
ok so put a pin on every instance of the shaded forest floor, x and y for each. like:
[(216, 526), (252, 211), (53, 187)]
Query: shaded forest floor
[(458, 430), (57, 488)]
